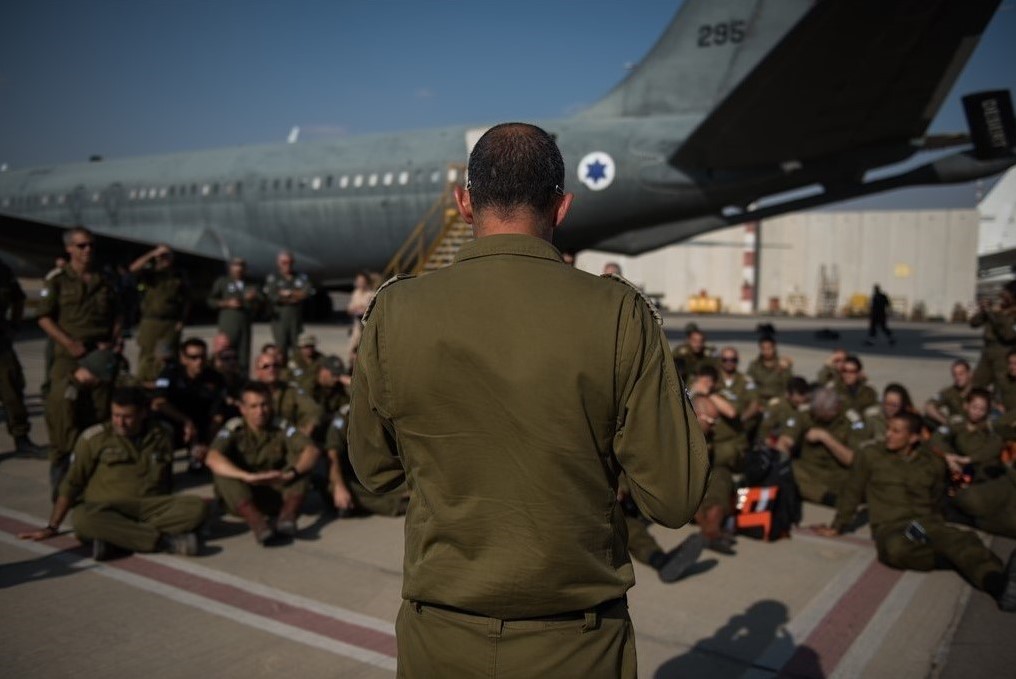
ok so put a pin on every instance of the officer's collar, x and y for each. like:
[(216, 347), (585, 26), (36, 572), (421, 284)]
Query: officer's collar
[(508, 244)]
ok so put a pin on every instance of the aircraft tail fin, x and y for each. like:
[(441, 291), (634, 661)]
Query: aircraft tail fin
[(709, 46)]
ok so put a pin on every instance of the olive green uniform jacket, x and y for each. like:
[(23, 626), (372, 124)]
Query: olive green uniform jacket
[(770, 380), (500, 389), (236, 323), (88, 312), (818, 473), (164, 304)]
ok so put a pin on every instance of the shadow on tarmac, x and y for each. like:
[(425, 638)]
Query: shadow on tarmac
[(55, 565), (746, 636)]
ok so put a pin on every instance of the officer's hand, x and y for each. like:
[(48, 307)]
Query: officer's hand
[(956, 462), (342, 498), (264, 478), (815, 435), (37, 535), (190, 431), (233, 303), (77, 349)]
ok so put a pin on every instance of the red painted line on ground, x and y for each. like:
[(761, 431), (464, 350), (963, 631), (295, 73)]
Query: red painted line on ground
[(835, 634), (264, 606)]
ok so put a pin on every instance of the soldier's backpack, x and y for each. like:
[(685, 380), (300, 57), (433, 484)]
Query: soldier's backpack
[(768, 505)]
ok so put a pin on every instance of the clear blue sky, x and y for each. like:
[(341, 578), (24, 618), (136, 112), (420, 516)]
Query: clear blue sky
[(137, 77)]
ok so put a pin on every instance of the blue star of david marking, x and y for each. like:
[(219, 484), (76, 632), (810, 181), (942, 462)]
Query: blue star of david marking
[(595, 171)]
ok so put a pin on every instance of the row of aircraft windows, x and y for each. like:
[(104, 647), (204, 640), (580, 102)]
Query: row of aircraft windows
[(236, 188)]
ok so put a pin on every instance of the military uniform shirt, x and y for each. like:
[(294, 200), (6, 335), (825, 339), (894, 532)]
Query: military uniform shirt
[(503, 388), (276, 283), (276, 447), (770, 381), (107, 467), (85, 311), (165, 294)]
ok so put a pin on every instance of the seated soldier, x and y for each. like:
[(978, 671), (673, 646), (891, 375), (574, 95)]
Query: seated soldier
[(857, 396), (693, 354), (824, 441), (903, 483), (261, 466), (191, 395), (289, 402), (949, 401), (984, 485), (120, 472), (305, 362), (829, 374), (895, 400), (770, 372), (727, 448), (782, 413), (328, 388), (76, 402), (1005, 386)]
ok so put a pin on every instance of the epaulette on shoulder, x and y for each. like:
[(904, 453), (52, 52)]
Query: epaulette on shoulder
[(92, 431), (872, 410), (774, 401), (233, 424), (54, 273), (645, 298), (394, 279)]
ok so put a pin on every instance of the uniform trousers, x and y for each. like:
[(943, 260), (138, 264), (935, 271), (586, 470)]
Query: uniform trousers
[(136, 524), (992, 366), (992, 503), (12, 389), (267, 499), (286, 328), (961, 549), (435, 641), (156, 338)]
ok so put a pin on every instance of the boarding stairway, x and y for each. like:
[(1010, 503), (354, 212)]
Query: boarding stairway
[(436, 238)]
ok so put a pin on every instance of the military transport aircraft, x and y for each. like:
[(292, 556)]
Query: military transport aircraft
[(737, 104)]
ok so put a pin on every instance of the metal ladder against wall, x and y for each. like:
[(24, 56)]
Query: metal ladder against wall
[(436, 237)]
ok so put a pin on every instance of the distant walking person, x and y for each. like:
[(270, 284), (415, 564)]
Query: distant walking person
[(878, 316)]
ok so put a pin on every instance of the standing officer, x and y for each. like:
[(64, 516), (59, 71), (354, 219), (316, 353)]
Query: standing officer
[(503, 389), (12, 378), (237, 299), (120, 471), (261, 466), (287, 290), (78, 401), (78, 308), (902, 485), (164, 308)]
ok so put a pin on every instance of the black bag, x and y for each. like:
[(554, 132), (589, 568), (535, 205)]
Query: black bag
[(766, 468)]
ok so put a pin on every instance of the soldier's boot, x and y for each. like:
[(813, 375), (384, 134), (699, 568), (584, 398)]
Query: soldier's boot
[(24, 447), (681, 558), (256, 520), (104, 551), (286, 523), (185, 544), (710, 522)]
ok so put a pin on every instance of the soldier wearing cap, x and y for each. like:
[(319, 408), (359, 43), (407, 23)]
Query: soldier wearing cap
[(76, 402), (165, 305), (502, 389), (303, 367), (237, 299), (120, 472), (286, 290), (261, 465), (78, 308), (12, 378)]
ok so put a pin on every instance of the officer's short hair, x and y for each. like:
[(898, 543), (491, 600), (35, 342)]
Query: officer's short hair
[(255, 387), (68, 235), (825, 400), (192, 342), (515, 165), (901, 391), (708, 371), (855, 359), (963, 362), (798, 386), (914, 422), (978, 392), (127, 397)]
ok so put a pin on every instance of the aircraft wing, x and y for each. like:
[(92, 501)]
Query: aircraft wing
[(851, 74)]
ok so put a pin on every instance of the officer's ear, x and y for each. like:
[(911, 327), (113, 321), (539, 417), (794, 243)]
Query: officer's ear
[(465, 204), (562, 209)]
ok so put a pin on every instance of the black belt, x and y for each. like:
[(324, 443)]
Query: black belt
[(612, 608)]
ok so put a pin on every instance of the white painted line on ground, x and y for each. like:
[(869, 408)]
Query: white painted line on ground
[(870, 640)]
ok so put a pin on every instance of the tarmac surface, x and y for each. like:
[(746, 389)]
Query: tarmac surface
[(325, 605)]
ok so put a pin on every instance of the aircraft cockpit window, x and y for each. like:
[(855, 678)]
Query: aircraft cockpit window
[(388, 178), (403, 178), (358, 181), (163, 192), (343, 182), (435, 177), (453, 175), (372, 180), (315, 183)]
